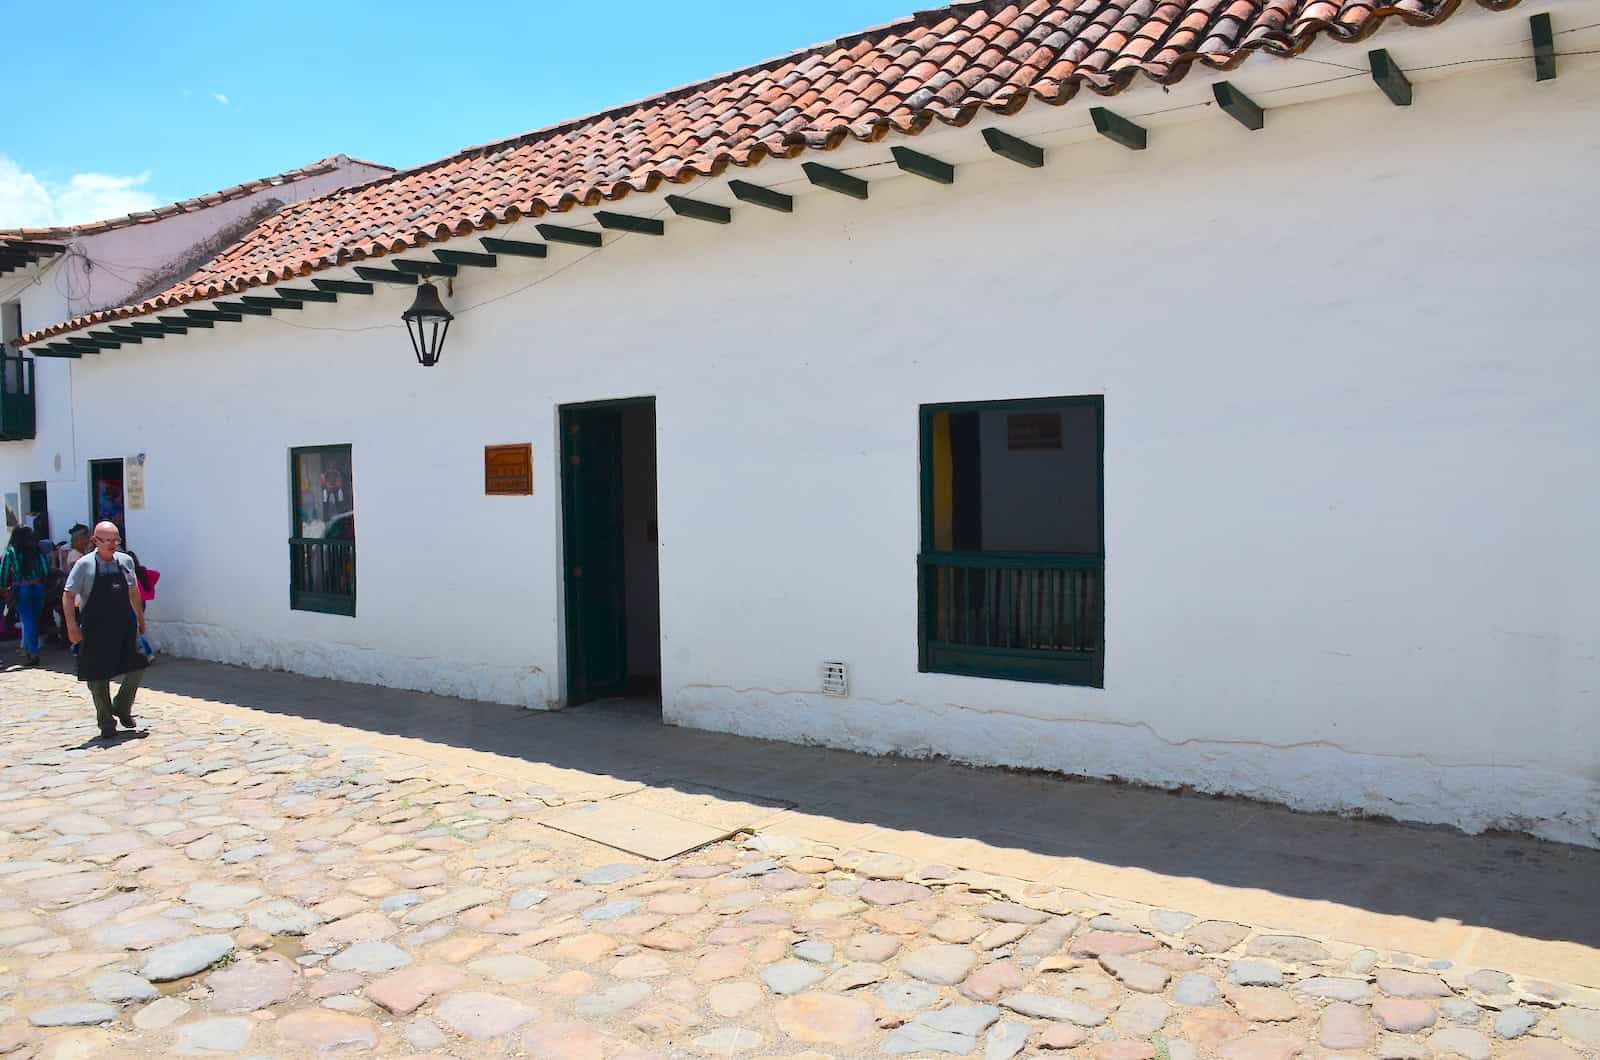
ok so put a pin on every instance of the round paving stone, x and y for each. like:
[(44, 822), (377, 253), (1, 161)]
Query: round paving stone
[(1062, 1036), (483, 1016), (509, 968), (370, 958), (1511, 1023), (940, 963), (284, 917), (324, 1031), (728, 1041), (227, 1034), (210, 895), (1196, 990), (564, 1041), (1254, 973), (80, 1014), (733, 999), (1345, 1026), (1461, 1041), (405, 991), (181, 959), (1397, 983), (161, 1013), (612, 1000), (992, 980), (252, 984), (824, 1018), (791, 977), (118, 988), (1403, 1016), (871, 948), (1216, 936), (607, 874), (907, 996)]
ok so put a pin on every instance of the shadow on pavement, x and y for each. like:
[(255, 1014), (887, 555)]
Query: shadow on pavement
[(1511, 883)]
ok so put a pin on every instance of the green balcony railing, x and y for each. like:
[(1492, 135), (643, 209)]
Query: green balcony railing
[(322, 575), (1019, 616)]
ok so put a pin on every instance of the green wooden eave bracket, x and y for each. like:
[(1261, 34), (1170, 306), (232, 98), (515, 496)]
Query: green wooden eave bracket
[(343, 286), (213, 316), (187, 321), (467, 257), (57, 349), (244, 310), (627, 222), (366, 272), (1238, 106), (1014, 148), (1544, 47), (423, 268), (576, 237), (514, 247), (835, 180), (1389, 77), (1118, 129), (699, 211), (129, 334), (300, 294), (114, 341), (269, 303), (756, 195), (925, 166)]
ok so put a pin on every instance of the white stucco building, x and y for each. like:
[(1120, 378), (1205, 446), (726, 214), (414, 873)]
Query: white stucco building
[(1261, 461)]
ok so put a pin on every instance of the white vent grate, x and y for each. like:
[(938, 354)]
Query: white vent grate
[(835, 679)]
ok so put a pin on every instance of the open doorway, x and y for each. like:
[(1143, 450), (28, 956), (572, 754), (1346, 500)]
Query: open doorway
[(105, 495), (36, 507), (610, 548)]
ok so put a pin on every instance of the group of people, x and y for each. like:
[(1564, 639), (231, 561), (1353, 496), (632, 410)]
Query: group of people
[(98, 594)]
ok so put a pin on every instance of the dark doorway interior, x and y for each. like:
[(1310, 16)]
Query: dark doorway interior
[(36, 502), (609, 541), (105, 495)]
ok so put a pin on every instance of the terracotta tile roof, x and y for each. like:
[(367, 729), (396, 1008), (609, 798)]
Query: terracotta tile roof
[(200, 202), (948, 65)]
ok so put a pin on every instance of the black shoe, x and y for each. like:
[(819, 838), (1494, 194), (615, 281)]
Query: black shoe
[(109, 734), (128, 721), (33, 660)]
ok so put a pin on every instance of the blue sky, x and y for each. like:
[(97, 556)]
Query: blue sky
[(118, 107)]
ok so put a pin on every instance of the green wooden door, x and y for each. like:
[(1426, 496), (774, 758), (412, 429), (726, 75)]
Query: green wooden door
[(591, 493)]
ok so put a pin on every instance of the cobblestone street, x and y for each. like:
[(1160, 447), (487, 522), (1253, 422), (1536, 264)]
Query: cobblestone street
[(229, 884)]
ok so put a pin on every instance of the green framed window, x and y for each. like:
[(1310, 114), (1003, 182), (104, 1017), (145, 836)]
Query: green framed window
[(322, 530), (1012, 566)]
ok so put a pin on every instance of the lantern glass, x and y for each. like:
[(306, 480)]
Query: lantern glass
[(428, 322)]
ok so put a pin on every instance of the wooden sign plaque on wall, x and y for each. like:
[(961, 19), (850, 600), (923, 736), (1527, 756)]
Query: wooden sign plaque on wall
[(508, 470)]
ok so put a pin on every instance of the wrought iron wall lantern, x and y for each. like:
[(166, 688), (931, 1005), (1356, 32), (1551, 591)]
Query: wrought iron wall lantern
[(427, 321)]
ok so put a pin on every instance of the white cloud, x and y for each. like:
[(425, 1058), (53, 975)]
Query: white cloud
[(220, 98), (28, 201)]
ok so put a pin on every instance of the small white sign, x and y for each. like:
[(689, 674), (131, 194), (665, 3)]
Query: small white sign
[(133, 483)]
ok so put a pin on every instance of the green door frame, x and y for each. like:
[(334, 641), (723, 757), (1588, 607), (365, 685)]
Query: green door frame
[(596, 617)]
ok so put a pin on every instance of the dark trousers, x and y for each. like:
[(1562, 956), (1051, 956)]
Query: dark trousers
[(106, 708)]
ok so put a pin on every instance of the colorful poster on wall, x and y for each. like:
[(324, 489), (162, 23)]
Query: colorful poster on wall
[(133, 483)]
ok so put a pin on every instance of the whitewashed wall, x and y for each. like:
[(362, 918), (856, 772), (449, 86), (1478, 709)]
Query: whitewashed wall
[(1352, 413)]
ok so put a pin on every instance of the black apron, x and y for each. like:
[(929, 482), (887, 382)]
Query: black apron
[(110, 631)]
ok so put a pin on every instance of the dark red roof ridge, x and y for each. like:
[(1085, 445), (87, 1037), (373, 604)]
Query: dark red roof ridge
[(947, 64), (198, 202)]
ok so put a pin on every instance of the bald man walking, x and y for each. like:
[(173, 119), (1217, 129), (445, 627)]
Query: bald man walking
[(107, 630)]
